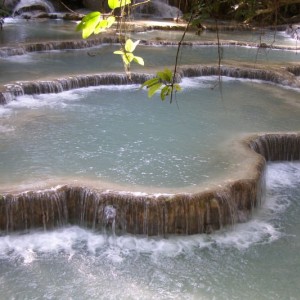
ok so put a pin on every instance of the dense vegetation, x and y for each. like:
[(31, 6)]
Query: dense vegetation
[(259, 12), (263, 12)]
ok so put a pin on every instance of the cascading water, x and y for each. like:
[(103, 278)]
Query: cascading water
[(98, 259), (31, 7), (159, 9)]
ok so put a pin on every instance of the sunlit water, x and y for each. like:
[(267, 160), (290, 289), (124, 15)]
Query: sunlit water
[(255, 260), (115, 134)]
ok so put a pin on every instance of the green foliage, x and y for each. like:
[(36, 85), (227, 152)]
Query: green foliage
[(94, 23), (164, 82), (118, 3), (127, 54)]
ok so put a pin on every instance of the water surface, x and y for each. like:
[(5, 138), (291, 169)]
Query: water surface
[(255, 260), (115, 134)]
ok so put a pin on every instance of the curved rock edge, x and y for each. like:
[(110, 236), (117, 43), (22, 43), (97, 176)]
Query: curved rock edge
[(286, 77), (26, 48), (157, 214)]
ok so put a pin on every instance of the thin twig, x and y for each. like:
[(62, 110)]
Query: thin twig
[(177, 56), (140, 3), (69, 9)]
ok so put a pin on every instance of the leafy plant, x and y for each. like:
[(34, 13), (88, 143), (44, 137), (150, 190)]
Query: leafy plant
[(95, 23), (164, 81), (118, 3), (127, 54)]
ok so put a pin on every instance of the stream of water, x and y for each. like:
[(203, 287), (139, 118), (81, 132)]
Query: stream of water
[(117, 136), (255, 260)]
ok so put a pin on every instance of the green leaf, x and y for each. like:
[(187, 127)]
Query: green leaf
[(88, 29), (130, 45), (119, 52), (153, 89), (165, 92), (177, 87), (169, 75), (163, 76), (139, 60), (102, 25), (89, 23), (79, 26), (127, 58), (118, 3), (110, 21), (150, 82)]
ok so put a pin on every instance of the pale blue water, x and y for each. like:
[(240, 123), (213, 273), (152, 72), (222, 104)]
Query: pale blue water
[(119, 136), (56, 64), (255, 260), (16, 31)]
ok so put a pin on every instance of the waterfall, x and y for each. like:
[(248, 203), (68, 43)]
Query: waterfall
[(284, 77), (25, 6), (83, 44), (278, 147), (75, 82), (293, 31), (57, 45), (158, 9), (201, 212)]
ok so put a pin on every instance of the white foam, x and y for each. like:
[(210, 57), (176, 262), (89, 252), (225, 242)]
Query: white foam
[(49, 100), (261, 229), (70, 241), (108, 87), (6, 128), (22, 59), (4, 111), (197, 82), (210, 81), (283, 174)]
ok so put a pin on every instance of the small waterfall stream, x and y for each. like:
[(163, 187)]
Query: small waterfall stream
[(159, 9), (148, 214), (285, 78), (33, 6), (202, 212)]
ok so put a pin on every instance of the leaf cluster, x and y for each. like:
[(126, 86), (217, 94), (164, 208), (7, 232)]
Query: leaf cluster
[(127, 55), (95, 22), (164, 81)]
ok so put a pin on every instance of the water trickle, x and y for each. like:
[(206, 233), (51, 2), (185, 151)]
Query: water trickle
[(57, 45), (31, 6), (159, 9), (293, 31), (110, 214), (278, 147), (70, 83), (284, 77)]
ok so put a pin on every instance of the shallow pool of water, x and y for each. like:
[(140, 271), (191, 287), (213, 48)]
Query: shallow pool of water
[(16, 31), (279, 38), (56, 64), (255, 260), (115, 134)]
